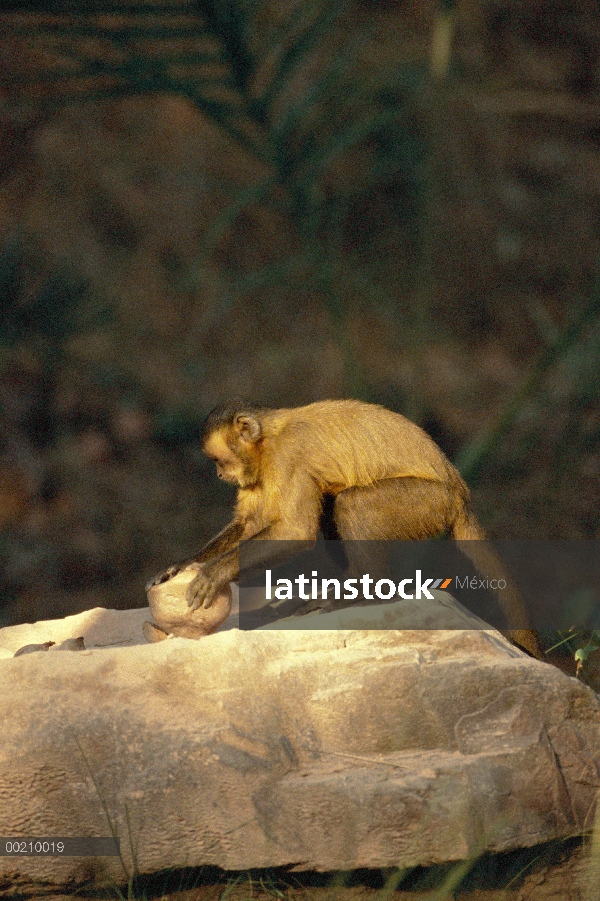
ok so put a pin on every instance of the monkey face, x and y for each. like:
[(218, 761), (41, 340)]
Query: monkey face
[(232, 467), (226, 472)]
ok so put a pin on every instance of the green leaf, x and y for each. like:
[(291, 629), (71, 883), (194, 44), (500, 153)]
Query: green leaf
[(229, 21), (582, 654), (302, 46), (470, 461)]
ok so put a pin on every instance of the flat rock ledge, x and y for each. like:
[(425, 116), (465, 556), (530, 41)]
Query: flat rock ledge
[(319, 750)]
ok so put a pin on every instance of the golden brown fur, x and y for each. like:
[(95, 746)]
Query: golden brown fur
[(385, 477)]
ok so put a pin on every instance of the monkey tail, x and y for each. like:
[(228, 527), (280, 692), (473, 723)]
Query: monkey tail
[(466, 526), (482, 555)]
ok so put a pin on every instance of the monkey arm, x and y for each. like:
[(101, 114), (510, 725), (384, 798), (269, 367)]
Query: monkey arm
[(297, 525), (214, 573), (224, 541)]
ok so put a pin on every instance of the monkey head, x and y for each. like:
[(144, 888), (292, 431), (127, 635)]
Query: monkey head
[(232, 438)]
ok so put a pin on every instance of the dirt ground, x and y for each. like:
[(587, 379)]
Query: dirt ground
[(560, 870)]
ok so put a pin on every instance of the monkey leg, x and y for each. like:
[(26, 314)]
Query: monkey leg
[(406, 509), (415, 509), (389, 510)]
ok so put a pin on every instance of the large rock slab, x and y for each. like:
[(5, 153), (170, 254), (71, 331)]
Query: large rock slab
[(314, 749)]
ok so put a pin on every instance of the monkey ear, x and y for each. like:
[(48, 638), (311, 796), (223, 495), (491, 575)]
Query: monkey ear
[(247, 427)]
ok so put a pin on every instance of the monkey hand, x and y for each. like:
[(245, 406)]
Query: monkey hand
[(202, 590), (165, 575)]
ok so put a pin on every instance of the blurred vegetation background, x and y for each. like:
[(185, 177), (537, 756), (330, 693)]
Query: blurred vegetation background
[(396, 200)]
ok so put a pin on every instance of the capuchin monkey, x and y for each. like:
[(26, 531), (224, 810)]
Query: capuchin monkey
[(381, 476)]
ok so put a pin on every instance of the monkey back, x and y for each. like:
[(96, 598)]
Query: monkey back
[(347, 443)]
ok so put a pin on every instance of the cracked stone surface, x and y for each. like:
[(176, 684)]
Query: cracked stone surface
[(314, 749)]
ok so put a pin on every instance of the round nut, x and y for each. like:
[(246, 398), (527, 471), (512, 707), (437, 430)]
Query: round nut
[(171, 614)]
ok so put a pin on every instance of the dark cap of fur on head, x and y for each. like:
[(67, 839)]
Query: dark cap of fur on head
[(225, 413)]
